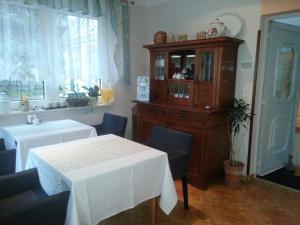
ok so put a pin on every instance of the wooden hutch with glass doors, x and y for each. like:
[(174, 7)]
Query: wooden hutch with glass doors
[(192, 84)]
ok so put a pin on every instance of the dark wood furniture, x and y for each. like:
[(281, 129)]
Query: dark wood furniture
[(192, 83)]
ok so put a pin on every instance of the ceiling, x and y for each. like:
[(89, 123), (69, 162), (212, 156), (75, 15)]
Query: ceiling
[(149, 3)]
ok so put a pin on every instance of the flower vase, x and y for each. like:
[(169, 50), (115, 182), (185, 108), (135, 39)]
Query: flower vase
[(107, 96)]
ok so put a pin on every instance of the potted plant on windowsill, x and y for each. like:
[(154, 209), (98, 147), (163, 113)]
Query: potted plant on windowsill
[(238, 117), (93, 93), (77, 99)]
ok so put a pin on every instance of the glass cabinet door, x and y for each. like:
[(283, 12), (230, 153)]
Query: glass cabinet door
[(182, 65), (159, 66), (206, 65)]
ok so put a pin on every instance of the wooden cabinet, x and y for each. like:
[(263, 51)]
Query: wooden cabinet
[(191, 85), (207, 71)]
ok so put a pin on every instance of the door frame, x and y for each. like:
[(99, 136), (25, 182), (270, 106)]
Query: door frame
[(265, 21)]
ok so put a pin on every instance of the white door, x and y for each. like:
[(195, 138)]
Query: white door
[(279, 97)]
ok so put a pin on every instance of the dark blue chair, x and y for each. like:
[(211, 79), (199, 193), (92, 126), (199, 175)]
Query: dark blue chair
[(24, 202), (178, 146), (112, 124), (7, 159), (2, 144)]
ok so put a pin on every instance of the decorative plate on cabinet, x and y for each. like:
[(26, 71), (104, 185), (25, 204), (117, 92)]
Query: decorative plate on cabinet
[(233, 24)]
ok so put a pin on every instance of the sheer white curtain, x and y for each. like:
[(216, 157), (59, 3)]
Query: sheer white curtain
[(74, 51), (38, 42), (107, 47), (81, 50), (19, 42), (87, 49)]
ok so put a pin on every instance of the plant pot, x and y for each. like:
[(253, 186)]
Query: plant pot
[(93, 101), (297, 170), (76, 101), (233, 174)]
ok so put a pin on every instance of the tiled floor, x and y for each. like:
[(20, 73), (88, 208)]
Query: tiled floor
[(256, 203)]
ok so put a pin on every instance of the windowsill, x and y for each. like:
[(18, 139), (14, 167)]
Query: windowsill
[(13, 113)]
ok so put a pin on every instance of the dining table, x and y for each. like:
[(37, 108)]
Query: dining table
[(106, 175), (23, 137)]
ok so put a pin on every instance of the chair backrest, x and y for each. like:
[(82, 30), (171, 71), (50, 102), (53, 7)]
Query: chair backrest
[(7, 141), (7, 159), (171, 140), (114, 124), (2, 145), (7, 162), (23, 201)]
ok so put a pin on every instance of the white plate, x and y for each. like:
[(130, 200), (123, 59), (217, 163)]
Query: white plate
[(233, 23)]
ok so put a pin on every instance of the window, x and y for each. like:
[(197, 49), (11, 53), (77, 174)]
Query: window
[(284, 71), (19, 58), (41, 55), (78, 58)]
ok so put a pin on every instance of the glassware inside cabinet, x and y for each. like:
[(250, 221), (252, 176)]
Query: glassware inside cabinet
[(207, 61), (179, 90), (160, 66)]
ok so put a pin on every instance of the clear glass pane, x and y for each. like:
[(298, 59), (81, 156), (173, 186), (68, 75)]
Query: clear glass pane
[(15, 89), (182, 64), (160, 67), (78, 58), (284, 70), (206, 66), (179, 90)]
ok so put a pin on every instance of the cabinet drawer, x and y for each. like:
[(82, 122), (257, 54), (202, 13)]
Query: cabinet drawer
[(153, 112), (185, 117)]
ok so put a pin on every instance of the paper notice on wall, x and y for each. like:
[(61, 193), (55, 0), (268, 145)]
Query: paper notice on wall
[(246, 65)]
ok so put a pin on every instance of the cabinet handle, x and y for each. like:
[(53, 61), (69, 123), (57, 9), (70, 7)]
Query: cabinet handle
[(152, 112)]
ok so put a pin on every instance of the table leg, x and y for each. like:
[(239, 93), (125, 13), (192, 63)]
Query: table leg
[(153, 214)]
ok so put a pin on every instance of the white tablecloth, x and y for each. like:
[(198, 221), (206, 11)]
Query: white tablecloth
[(52, 132), (106, 175)]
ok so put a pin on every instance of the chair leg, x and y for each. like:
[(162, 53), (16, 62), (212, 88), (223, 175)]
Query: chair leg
[(185, 192)]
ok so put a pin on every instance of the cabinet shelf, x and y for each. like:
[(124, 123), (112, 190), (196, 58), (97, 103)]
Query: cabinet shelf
[(180, 81)]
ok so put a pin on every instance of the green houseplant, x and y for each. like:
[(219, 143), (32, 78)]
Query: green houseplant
[(93, 93), (238, 117)]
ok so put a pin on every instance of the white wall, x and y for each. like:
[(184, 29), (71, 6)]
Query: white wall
[(192, 16)]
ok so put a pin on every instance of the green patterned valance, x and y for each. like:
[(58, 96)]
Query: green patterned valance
[(86, 7), (118, 15), (125, 36)]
